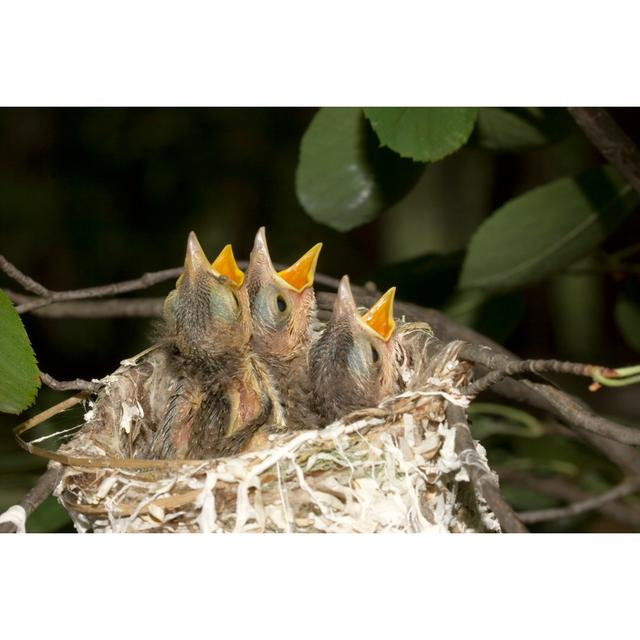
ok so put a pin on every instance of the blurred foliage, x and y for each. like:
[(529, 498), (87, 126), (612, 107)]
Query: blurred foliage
[(520, 232)]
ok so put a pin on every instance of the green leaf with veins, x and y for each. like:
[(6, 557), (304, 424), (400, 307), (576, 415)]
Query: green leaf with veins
[(546, 229), (425, 134), (19, 375)]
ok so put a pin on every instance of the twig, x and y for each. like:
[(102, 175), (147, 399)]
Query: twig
[(68, 385), (94, 309), (559, 488), (576, 508), (37, 495), (481, 478), (145, 281), (517, 367), (612, 142), (27, 283), (565, 407)]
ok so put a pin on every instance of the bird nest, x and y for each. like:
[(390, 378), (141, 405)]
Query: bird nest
[(393, 467)]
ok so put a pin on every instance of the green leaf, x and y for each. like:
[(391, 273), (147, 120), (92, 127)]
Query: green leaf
[(343, 179), (512, 129), (546, 229), (426, 134), (627, 314), (19, 376)]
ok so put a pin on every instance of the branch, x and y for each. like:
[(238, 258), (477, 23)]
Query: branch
[(37, 495), (517, 367), (589, 504), (481, 478), (559, 488), (565, 407), (68, 385), (612, 142), (93, 309)]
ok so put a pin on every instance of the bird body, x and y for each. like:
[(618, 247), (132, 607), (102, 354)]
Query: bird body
[(284, 321), (221, 393), (354, 363), (249, 356)]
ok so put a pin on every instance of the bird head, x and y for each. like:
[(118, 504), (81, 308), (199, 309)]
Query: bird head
[(208, 311), (283, 304), (353, 363)]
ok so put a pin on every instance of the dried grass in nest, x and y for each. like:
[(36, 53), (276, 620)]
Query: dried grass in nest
[(388, 468)]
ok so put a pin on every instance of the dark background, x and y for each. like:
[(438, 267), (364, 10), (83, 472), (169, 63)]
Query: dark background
[(92, 196)]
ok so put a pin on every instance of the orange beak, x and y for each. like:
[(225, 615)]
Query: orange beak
[(225, 265), (380, 317), (299, 276)]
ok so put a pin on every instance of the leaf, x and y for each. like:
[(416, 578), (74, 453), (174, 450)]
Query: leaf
[(343, 178), (513, 129), (19, 376), (546, 229), (425, 134), (627, 314)]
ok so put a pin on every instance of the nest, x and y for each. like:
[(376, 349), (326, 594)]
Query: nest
[(388, 468)]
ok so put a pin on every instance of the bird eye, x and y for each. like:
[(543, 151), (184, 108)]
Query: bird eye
[(282, 304), (375, 356)]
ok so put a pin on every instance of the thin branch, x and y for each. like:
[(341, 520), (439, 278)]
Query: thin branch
[(518, 367), (68, 385), (37, 495), (557, 487), (27, 283), (95, 309), (481, 478), (583, 506), (565, 407), (145, 281), (612, 142)]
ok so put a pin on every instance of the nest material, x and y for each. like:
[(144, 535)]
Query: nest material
[(388, 468)]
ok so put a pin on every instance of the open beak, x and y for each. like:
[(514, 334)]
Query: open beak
[(225, 265), (298, 277), (380, 317)]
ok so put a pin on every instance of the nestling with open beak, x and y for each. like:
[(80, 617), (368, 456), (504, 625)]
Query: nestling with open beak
[(283, 310), (222, 393), (354, 363)]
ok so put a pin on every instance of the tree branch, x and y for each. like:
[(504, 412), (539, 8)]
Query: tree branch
[(68, 385), (557, 487), (518, 367), (583, 506), (37, 495), (565, 407), (482, 479), (612, 142)]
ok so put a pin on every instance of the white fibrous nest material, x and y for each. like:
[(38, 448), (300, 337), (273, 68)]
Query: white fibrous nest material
[(392, 468)]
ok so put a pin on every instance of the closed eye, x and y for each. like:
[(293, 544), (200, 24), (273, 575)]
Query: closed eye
[(375, 356)]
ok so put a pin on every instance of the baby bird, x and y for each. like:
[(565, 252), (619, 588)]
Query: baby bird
[(283, 309), (354, 363), (222, 393)]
